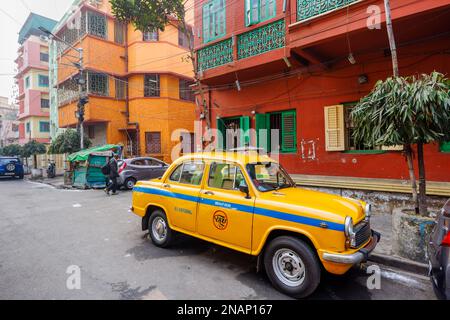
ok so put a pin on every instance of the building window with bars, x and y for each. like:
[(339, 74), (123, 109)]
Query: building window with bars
[(98, 84), (119, 32), (121, 89), (259, 10), (151, 85), (97, 24), (44, 126), (43, 81), (153, 142), (44, 56), (183, 39), (150, 35), (45, 103), (186, 92)]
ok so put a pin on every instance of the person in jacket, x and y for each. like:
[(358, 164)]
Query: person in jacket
[(113, 175)]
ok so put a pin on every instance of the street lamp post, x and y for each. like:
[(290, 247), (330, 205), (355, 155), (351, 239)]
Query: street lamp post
[(82, 96)]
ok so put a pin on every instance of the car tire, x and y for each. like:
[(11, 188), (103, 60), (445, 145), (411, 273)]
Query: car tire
[(292, 266), (159, 229), (129, 183)]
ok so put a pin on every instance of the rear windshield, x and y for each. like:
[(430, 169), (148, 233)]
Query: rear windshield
[(5, 161)]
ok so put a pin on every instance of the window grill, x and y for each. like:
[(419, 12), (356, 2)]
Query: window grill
[(119, 32), (186, 92), (98, 84), (97, 24), (45, 103), (67, 92), (183, 39), (150, 35), (151, 85), (121, 87), (153, 142)]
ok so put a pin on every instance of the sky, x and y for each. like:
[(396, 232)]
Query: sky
[(13, 14)]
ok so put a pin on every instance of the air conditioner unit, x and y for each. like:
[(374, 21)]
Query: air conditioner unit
[(43, 38)]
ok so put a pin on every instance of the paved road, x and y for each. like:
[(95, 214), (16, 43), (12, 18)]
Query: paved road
[(44, 230)]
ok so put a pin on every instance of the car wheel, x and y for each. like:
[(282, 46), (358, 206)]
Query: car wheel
[(292, 266), (159, 229), (129, 183)]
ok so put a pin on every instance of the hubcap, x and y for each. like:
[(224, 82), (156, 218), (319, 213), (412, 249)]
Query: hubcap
[(130, 184), (159, 229), (289, 267)]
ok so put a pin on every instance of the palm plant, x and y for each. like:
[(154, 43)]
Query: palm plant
[(406, 111)]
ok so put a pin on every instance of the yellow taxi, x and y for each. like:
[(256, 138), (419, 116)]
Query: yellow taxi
[(247, 202)]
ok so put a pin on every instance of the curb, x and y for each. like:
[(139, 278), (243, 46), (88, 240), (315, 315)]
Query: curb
[(400, 263)]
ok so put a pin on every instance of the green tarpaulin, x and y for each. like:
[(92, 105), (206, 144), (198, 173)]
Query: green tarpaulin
[(83, 155)]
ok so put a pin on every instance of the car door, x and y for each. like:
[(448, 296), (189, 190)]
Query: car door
[(156, 168), (224, 212), (182, 189), (137, 168)]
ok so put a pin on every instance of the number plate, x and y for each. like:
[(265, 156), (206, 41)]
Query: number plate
[(9, 174)]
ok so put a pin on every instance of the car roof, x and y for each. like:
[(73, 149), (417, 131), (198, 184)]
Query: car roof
[(242, 158), (141, 158)]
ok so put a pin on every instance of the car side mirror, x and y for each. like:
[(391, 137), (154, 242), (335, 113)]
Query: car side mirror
[(244, 189)]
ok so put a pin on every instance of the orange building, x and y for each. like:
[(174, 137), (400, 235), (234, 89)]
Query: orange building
[(138, 84)]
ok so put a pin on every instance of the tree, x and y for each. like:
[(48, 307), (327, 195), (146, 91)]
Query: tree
[(33, 148), (12, 150), (68, 142), (406, 111), (148, 15)]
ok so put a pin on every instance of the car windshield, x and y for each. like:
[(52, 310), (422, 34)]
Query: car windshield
[(269, 176), (5, 161)]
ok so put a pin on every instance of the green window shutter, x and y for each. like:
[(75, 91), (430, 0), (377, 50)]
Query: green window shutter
[(262, 137), (245, 127), (220, 143), (288, 131), (445, 146), (206, 23), (248, 15)]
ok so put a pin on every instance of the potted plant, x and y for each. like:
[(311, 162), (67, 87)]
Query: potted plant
[(409, 111), (33, 148)]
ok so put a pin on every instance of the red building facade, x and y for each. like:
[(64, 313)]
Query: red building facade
[(300, 65)]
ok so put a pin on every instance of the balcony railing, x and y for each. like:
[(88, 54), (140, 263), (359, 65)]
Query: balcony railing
[(307, 9), (215, 55), (257, 41)]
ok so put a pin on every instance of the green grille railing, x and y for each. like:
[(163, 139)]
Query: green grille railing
[(307, 9), (215, 55), (266, 38)]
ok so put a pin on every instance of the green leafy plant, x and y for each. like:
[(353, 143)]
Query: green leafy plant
[(68, 142), (406, 111), (33, 148), (12, 150)]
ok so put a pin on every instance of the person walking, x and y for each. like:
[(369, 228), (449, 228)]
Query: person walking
[(113, 175)]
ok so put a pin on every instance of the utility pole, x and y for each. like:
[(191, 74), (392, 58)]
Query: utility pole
[(82, 93), (390, 31)]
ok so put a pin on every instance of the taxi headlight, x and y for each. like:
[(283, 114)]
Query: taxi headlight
[(368, 211), (348, 226)]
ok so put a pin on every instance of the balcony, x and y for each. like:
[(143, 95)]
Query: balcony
[(309, 9), (248, 44)]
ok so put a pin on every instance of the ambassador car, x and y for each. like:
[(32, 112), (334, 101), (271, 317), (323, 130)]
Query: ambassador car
[(247, 202)]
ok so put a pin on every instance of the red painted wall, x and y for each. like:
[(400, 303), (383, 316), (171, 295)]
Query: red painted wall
[(308, 94)]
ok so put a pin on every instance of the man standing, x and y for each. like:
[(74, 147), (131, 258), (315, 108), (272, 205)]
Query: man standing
[(113, 175)]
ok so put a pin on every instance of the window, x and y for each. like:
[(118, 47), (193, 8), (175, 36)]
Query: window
[(269, 176), (153, 142), (186, 92), (259, 10), (151, 85), (187, 140), (28, 127), (44, 56), (350, 143), (150, 35), (43, 81), (44, 126), (235, 132), (91, 132), (27, 82), (286, 124), (119, 32), (176, 174), (97, 24), (121, 88), (183, 39), (225, 176), (192, 173), (98, 84), (45, 103), (214, 22)]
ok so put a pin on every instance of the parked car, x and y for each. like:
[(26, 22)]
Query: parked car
[(11, 167), (439, 253), (249, 203), (133, 170)]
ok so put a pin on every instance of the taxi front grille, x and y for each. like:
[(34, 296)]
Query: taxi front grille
[(362, 233)]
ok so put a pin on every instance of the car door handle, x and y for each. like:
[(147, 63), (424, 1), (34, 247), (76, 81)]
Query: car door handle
[(166, 185), (209, 193)]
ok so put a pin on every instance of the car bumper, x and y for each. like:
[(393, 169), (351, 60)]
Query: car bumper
[(359, 256)]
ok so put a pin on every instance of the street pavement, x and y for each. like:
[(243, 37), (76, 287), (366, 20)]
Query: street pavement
[(45, 230)]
